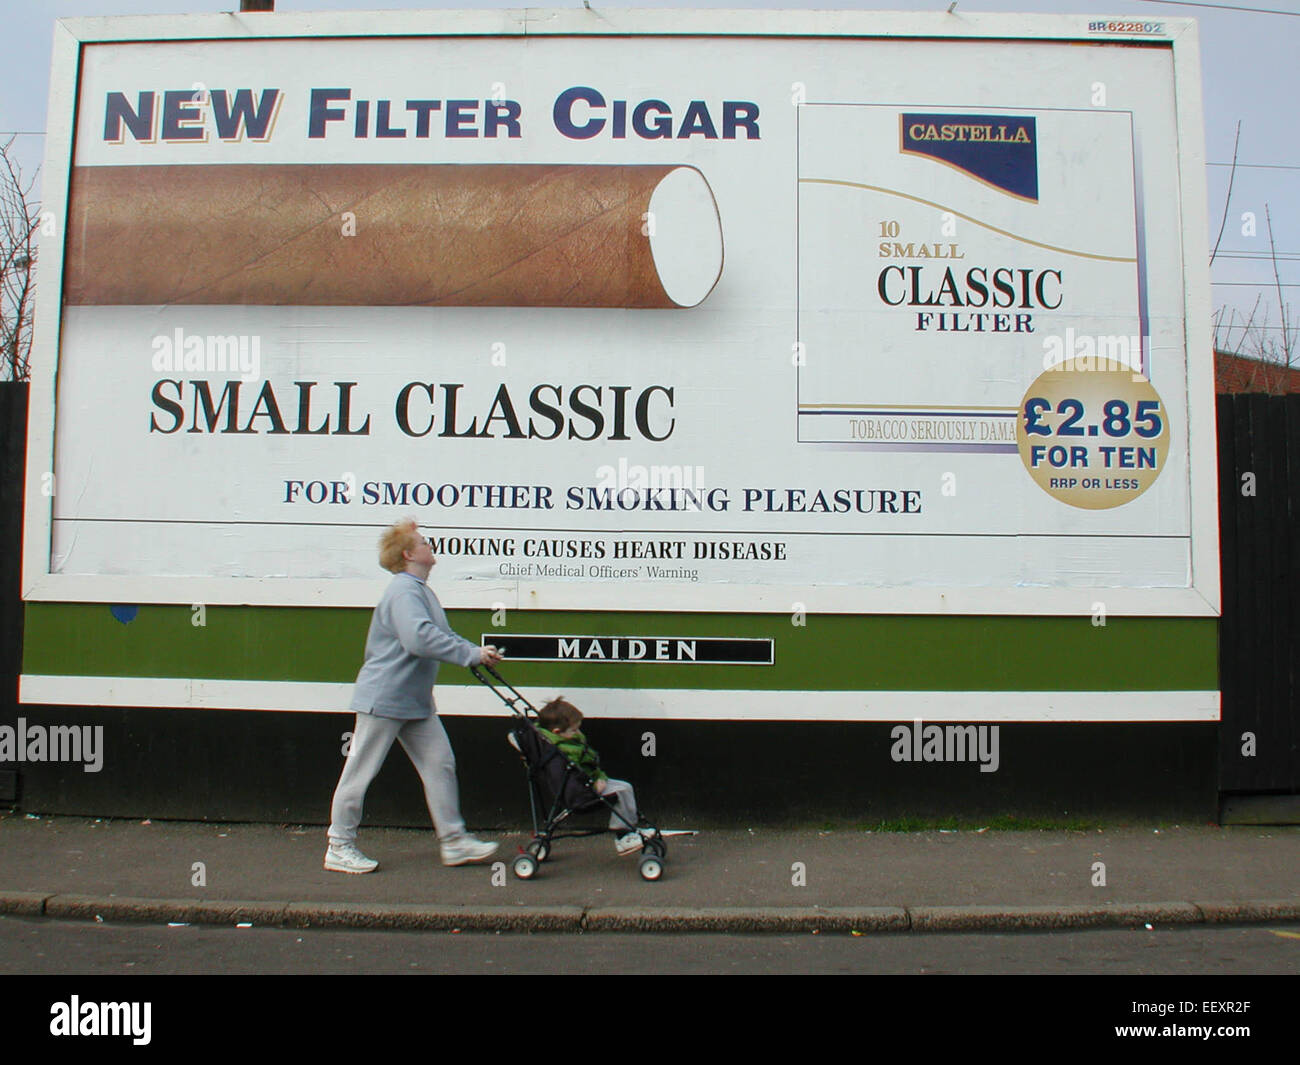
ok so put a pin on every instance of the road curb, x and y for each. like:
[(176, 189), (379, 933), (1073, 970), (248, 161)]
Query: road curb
[(394, 916), (615, 919), (746, 919), (1247, 912), (27, 903), (164, 911), (1043, 918)]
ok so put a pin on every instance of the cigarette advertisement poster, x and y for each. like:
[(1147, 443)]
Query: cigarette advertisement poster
[(630, 322)]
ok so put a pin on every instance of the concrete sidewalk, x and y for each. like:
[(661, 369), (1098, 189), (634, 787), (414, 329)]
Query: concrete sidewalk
[(744, 880)]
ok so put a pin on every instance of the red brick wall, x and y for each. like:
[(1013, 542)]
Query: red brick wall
[(1234, 373)]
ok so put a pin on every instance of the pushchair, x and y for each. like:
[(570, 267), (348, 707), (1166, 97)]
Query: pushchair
[(557, 790)]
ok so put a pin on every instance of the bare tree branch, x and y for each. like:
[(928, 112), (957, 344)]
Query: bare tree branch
[(1232, 174), (19, 219), (1288, 328), (1270, 356)]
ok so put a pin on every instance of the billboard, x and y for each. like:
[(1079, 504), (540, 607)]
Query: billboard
[(700, 313)]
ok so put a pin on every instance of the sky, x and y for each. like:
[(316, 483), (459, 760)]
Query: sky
[(1249, 67)]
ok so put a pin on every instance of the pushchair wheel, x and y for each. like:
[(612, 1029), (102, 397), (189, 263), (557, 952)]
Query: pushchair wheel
[(525, 867), (539, 850), (651, 868)]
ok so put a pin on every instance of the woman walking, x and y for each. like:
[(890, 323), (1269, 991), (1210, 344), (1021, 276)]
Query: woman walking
[(393, 700)]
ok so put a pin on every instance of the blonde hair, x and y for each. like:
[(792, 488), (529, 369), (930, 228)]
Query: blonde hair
[(398, 537)]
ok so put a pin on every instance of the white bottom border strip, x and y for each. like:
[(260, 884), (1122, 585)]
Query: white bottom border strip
[(664, 704)]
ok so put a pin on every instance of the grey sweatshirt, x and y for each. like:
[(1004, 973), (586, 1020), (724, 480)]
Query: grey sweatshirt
[(408, 636)]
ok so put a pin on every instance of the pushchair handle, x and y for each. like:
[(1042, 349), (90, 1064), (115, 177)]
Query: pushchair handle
[(514, 700), (491, 670)]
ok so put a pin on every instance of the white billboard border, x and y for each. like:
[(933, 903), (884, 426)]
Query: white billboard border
[(664, 704), (1200, 599)]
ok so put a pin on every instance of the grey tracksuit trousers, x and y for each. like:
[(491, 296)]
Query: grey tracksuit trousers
[(426, 744)]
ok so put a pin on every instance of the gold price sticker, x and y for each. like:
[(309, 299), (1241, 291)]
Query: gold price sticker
[(1092, 438)]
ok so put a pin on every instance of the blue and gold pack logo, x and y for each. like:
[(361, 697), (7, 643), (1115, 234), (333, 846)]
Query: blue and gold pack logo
[(999, 150)]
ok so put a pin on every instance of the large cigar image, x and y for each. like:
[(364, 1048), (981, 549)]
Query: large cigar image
[(396, 235)]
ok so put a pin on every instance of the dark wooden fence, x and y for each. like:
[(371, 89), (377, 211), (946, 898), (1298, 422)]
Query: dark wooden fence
[(13, 458), (1259, 638)]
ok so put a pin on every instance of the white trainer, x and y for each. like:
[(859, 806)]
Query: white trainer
[(345, 858), (629, 842), (465, 849)]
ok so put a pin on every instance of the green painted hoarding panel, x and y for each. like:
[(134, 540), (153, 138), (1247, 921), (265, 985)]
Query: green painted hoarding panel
[(827, 652)]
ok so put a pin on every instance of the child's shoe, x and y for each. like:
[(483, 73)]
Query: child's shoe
[(631, 842)]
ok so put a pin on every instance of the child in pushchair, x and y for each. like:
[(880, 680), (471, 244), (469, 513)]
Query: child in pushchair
[(560, 722), (565, 778)]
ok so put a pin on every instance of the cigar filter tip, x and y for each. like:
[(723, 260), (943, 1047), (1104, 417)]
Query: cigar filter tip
[(685, 234)]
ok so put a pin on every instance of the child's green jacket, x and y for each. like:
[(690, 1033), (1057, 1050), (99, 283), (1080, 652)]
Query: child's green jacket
[(575, 749)]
